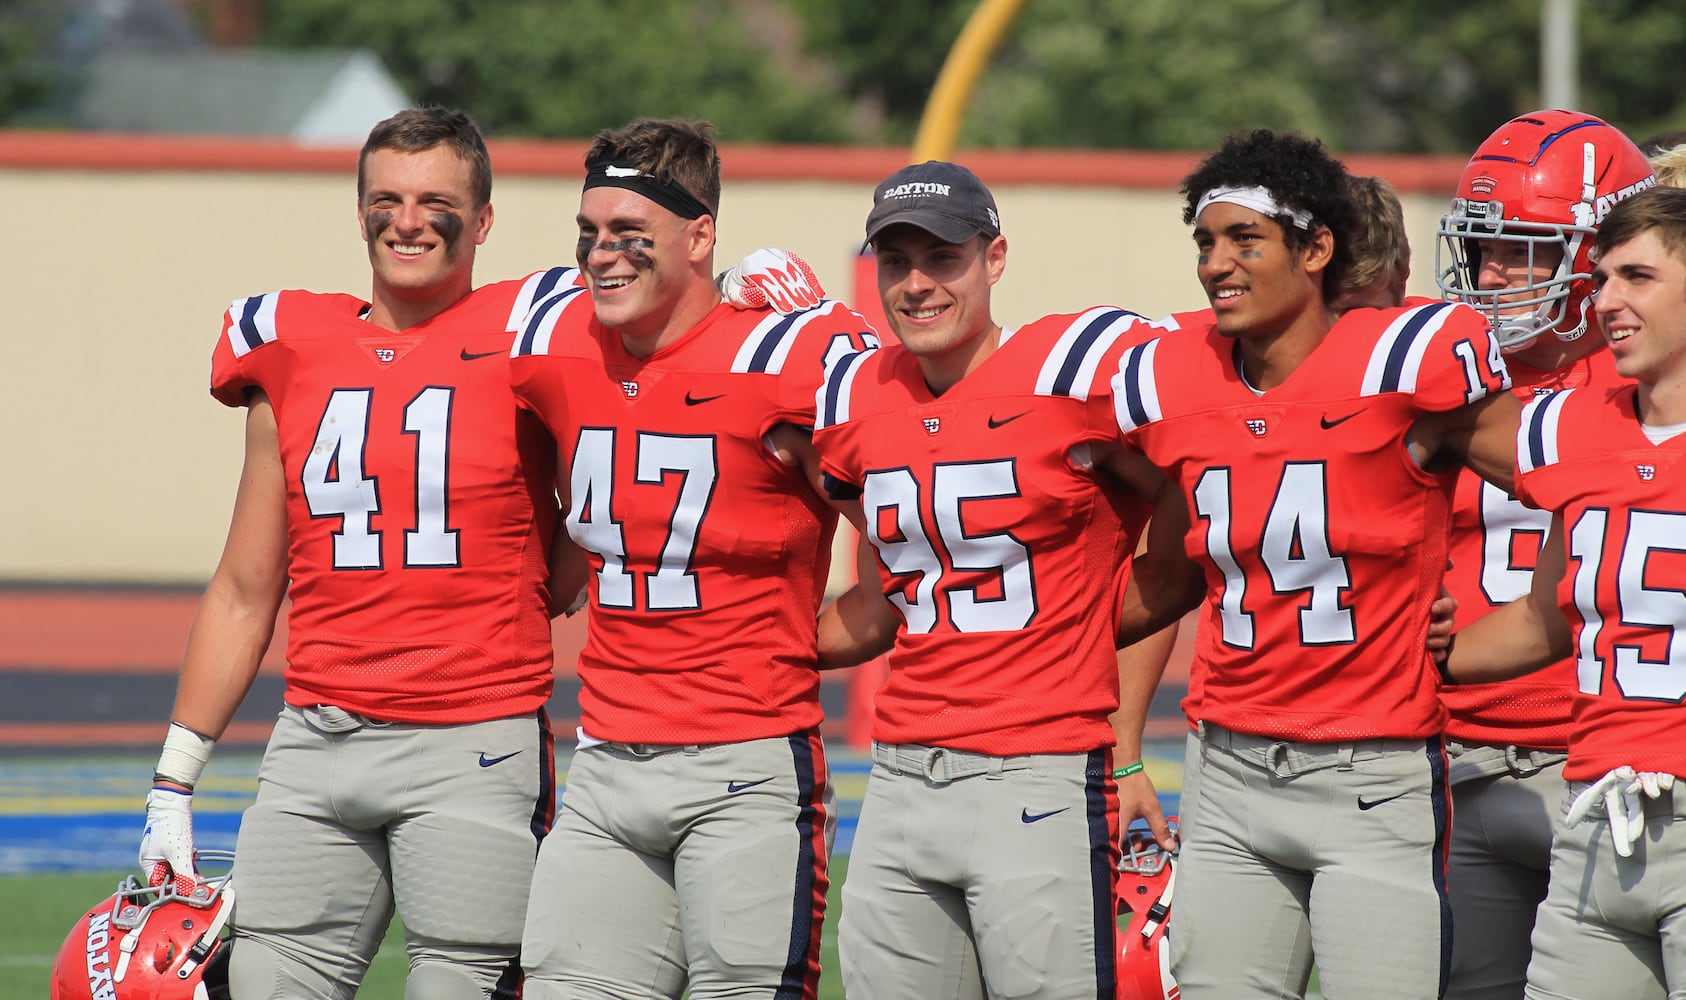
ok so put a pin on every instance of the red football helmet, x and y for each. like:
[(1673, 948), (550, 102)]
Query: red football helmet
[(1145, 881), (1544, 180), (150, 943)]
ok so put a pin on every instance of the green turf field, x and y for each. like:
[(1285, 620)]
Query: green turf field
[(37, 911)]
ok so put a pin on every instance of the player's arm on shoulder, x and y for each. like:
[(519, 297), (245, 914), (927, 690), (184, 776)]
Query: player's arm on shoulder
[(1522, 636), (770, 278), (1480, 435), (236, 617)]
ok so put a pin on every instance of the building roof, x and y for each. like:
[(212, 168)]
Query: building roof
[(323, 97)]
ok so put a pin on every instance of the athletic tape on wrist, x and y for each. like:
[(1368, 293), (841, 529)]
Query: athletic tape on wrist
[(184, 756)]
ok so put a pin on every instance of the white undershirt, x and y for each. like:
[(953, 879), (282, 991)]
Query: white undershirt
[(1660, 434)]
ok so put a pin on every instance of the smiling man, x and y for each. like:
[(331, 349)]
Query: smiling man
[(986, 461), (1315, 453), (392, 490), (693, 839), (1608, 464), (1517, 245)]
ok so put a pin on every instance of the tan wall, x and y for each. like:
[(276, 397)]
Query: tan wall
[(120, 466)]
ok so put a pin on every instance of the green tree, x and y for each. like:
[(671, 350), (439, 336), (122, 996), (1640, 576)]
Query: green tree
[(32, 80), (538, 68)]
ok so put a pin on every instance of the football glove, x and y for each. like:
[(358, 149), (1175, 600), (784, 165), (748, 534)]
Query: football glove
[(166, 848), (771, 278), (1623, 793)]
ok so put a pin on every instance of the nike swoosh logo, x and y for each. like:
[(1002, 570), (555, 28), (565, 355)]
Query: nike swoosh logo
[(1331, 424), (1373, 803), (691, 400), (1004, 421), (734, 787), (476, 357), (486, 761), (1026, 816)]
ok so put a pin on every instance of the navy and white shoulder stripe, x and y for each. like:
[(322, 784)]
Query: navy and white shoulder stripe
[(540, 324), (251, 322), (767, 345), (1071, 365), (538, 287), (1536, 438), (831, 402), (1135, 389), (1398, 355)]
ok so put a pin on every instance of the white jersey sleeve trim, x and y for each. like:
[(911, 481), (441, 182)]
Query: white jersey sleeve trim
[(540, 324), (767, 345), (1536, 437), (1135, 390), (538, 287), (1071, 365), (1397, 357), (251, 322), (831, 402)]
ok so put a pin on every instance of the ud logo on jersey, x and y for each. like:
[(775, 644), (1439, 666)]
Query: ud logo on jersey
[(1258, 427), (385, 355), (1646, 472), (631, 389), (932, 424)]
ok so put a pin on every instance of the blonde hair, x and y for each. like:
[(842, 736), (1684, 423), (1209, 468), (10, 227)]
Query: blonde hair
[(1670, 165)]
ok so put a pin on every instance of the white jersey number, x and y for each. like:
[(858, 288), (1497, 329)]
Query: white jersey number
[(1503, 519), (1294, 549), (336, 484), (892, 497), (593, 526), (1661, 609)]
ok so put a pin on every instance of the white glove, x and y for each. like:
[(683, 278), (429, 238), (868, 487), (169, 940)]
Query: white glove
[(166, 846), (1623, 792), (771, 278)]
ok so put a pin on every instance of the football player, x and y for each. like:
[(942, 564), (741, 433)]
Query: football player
[(983, 460), (1381, 267), (391, 490), (1607, 463), (1517, 244), (692, 844), (1311, 457)]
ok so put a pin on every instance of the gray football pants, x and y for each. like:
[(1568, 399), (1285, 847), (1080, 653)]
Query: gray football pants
[(672, 866), (1504, 803), (354, 819), (1336, 850)]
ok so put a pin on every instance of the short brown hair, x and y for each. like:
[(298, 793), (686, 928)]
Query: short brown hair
[(417, 130), (1659, 209), (672, 150), (1381, 250)]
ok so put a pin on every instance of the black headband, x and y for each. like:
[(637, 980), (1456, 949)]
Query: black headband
[(664, 193)]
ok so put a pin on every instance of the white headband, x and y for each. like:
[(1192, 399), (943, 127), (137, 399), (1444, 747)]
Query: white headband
[(1255, 198)]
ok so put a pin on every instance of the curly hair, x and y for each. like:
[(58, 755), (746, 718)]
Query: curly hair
[(675, 150), (1300, 174), (417, 130)]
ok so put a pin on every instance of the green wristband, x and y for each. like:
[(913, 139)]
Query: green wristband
[(1129, 769)]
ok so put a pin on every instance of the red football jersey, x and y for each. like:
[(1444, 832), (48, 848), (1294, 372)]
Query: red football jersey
[(709, 554), (1582, 454), (420, 502), (995, 540), (1323, 542), (1495, 545)]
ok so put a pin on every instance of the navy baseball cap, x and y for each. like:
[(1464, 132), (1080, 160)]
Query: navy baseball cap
[(944, 199)]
